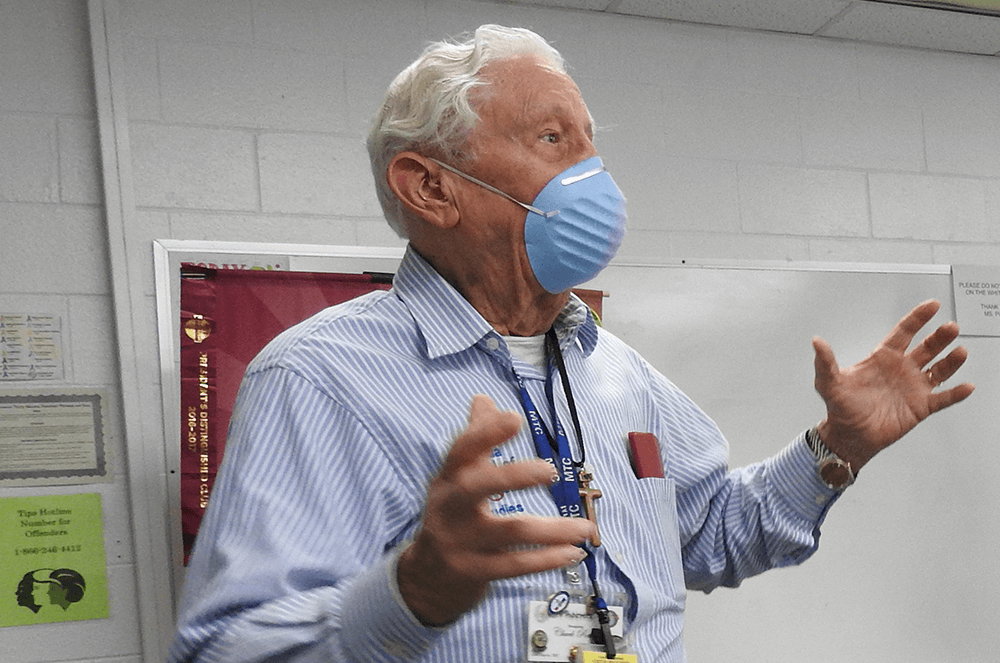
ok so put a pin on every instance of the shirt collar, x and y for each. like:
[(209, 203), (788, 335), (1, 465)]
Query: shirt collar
[(449, 324), (576, 322)]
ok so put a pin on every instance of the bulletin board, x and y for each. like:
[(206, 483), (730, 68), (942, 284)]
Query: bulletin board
[(227, 317), (171, 257), (904, 572)]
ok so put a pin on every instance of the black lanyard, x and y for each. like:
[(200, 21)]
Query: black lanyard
[(552, 344)]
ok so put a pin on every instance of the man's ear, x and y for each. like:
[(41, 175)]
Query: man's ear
[(417, 182)]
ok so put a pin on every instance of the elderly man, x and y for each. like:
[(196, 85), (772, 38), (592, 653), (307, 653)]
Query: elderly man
[(364, 513)]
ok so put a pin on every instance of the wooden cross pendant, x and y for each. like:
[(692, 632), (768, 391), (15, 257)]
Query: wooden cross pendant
[(588, 495)]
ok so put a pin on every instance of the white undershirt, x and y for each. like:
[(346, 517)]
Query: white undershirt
[(529, 349)]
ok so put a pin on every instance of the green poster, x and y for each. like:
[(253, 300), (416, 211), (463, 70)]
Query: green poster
[(52, 566)]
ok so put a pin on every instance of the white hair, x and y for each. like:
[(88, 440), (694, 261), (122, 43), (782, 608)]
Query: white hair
[(427, 108)]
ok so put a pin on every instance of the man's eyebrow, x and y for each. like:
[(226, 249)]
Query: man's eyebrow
[(532, 114)]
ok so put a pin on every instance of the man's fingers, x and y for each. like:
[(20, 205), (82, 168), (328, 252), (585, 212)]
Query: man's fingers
[(477, 483), (488, 428), (459, 499), (949, 397), (934, 344), (900, 337), (944, 369), (508, 546), (514, 563), (511, 532), (468, 475), (825, 363)]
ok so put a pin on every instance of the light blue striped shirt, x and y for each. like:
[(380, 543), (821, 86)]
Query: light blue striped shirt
[(342, 421)]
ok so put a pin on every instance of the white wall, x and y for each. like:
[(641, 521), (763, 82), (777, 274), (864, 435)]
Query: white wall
[(247, 118), (244, 120), (54, 260)]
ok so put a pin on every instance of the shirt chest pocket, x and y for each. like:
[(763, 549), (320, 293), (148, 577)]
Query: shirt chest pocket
[(655, 537)]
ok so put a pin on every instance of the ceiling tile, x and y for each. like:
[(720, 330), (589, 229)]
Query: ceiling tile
[(918, 27), (592, 5), (798, 16), (858, 20)]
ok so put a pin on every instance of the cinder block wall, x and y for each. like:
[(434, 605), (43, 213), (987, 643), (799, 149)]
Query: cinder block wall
[(54, 261), (246, 122)]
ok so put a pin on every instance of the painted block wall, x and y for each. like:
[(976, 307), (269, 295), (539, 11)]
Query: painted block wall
[(246, 121), (54, 260), (728, 144)]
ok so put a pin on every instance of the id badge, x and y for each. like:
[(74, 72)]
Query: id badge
[(560, 631)]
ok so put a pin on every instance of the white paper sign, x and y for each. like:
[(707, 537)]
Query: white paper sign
[(52, 437), (977, 299), (30, 347)]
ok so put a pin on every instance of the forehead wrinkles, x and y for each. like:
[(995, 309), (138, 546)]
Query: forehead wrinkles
[(514, 103)]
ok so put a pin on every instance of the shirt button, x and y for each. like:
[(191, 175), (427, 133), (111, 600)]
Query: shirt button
[(821, 500), (492, 343)]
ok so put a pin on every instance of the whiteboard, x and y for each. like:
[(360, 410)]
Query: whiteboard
[(904, 572)]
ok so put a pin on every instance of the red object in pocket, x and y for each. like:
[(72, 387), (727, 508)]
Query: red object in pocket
[(646, 460)]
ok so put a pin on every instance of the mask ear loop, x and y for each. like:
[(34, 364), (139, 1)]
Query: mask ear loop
[(495, 190)]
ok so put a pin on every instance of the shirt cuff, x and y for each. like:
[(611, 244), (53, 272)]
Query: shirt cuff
[(796, 479), (377, 625)]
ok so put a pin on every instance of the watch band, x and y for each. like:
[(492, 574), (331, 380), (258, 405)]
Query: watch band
[(832, 470)]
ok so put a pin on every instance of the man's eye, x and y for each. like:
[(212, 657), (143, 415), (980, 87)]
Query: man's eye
[(550, 137)]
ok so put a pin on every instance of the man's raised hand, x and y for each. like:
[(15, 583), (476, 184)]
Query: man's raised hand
[(875, 402), (461, 545)]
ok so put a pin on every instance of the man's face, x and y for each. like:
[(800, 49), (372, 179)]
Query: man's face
[(533, 125)]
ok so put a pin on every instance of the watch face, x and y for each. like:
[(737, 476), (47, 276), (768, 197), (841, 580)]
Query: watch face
[(836, 473)]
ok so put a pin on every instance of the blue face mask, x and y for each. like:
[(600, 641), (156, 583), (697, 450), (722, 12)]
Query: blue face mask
[(574, 226)]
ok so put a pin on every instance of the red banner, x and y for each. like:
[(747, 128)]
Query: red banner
[(227, 317)]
